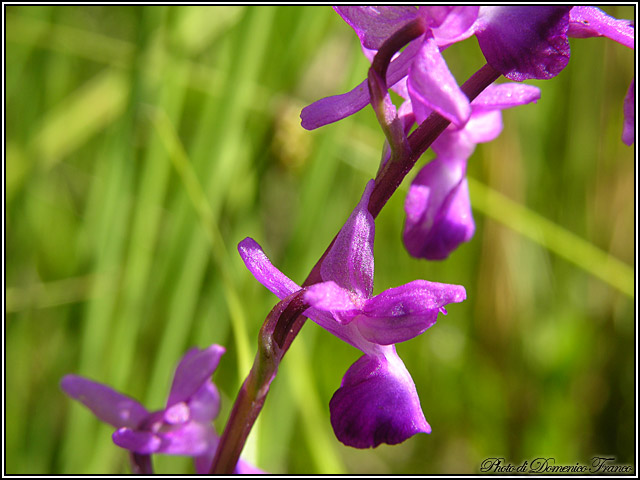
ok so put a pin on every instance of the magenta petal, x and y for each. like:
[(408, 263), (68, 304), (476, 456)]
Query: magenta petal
[(192, 439), (261, 268), (245, 468), (330, 297), (258, 263), (349, 263), (105, 403), (204, 405), (585, 22), (482, 127), (432, 87), (449, 24), (374, 25), (377, 403), (505, 95), (195, 368), (402, 313), (453, 147), (438, 211), (525, 41), (331, 109), (629, 127), (137, 441)]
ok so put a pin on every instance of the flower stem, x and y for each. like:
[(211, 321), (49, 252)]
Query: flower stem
[(399, 39), (254, 390), (141, 464)]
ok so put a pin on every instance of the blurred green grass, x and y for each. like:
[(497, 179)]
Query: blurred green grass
[(143, 143)]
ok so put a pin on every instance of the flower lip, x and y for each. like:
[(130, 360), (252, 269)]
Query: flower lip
[(377, 403), (523, 42)]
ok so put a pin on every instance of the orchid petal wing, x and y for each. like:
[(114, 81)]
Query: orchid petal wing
[(629, 127), (141, 442), (108, 405), (449, 24), (330, 297), (331, 109), (264, 271), (524, 42), (454, 147), (483, 127), (377, 403), (505, 95), (349, 262), (432, 86), (204, 405), (137, 441), (192, 439), (374, 25), (336, 107), (195, 368), (585, 22), (404, 312)]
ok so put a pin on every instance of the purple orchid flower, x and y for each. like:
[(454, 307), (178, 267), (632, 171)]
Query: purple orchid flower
[(437, 205), (523, 42), (377, 401), (183, 427), (421, 63)]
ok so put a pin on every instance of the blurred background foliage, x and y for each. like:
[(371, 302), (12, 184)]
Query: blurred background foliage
[(143, 143)]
